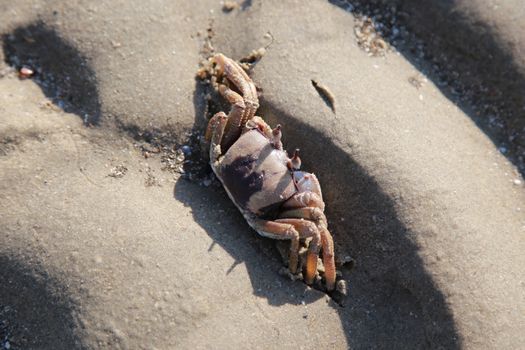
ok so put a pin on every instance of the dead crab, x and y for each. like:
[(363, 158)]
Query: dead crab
[(276, 198)]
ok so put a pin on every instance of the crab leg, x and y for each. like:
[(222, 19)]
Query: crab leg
[(215, 132), (277, 230), (212, 124), (304, 199), (328, 251), (316, 215), (245, 106), (241, 80), (310, 213), (328, 258), (307, 229), (294, 229), (235, 117)]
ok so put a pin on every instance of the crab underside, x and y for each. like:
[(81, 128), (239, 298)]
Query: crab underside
[(276, 198)]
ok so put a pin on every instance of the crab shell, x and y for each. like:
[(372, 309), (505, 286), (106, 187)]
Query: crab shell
[(255, 174)]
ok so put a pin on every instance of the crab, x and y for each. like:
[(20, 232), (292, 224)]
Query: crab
[(276, 198)]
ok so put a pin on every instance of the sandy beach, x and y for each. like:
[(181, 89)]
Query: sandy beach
[(114, 233)]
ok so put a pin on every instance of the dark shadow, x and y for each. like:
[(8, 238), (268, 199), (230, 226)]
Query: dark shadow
[(466, 58), (246, 4), (35, 310), (215, 213), (393, 302), (62, 73)]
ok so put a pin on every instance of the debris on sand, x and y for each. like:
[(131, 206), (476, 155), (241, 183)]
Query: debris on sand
[(150, 179), (368, 38), (252, 58), (181, 160), (229, 6), (417, 81), (325, 93), (173, 160), (118, 171), (249, 61)]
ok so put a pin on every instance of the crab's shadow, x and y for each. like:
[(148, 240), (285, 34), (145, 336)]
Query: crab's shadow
[(393, 301), (217, 215)]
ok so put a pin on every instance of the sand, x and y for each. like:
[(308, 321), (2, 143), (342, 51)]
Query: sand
[(114, 235)]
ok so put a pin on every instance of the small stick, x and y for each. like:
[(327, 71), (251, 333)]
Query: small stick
[(327, 95)]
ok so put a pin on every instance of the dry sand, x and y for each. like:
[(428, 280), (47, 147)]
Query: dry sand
[(112, 236)]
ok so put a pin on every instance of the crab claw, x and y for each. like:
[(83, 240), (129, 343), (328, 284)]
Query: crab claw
[(276, 137)]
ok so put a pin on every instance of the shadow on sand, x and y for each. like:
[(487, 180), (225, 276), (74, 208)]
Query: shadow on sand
[(392, 303), (35, 311), (62, 73), (466, 59)]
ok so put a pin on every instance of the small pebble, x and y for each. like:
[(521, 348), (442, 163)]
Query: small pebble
[(342, 287), (517, 182), (26, 72), (229, 6)]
